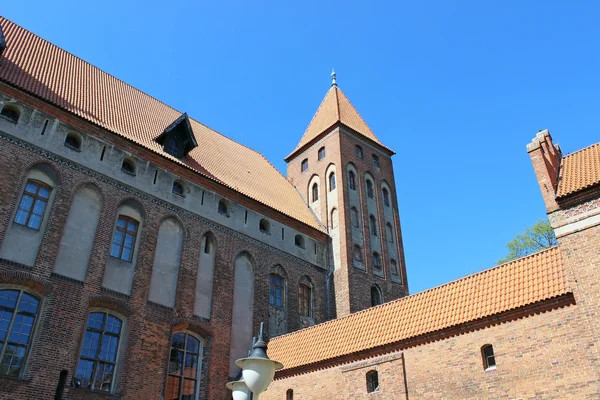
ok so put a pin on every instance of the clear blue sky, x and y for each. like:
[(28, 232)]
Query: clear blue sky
[(457, 89)]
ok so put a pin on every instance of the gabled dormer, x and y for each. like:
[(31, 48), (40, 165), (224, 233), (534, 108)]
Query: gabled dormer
[(178, 138)]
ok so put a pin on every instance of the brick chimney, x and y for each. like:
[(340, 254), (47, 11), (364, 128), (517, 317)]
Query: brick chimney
[(546, 157)]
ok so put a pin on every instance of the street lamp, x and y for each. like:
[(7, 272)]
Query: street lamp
[(258, 370)]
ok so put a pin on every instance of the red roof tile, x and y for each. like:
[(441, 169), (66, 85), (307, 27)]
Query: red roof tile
[(579, 171)]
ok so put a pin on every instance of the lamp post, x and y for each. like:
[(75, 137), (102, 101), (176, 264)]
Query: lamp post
[(258, 371)]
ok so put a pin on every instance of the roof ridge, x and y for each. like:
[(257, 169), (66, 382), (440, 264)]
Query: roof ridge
[(581, 150), (420, 294)]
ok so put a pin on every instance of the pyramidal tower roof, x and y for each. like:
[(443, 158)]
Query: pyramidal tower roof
[(335, 108)]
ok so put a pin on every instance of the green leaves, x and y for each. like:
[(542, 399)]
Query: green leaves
[(535, 238)]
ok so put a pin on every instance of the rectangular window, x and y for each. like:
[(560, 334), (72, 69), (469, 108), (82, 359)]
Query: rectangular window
[(304, 299), (33, 204), (98, 358), (123, 242), (275, 290)]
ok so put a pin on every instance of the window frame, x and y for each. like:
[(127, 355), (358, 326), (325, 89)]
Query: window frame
[(129, 161), (394, 268), (11, 108), (73, 141), (352, 180), (372, 381), (389, 232), (299, 241), (273, 286), (386, 197), (125, 231), (97, 359), (305, 300), (358, 151), (315, 192), (35, 196), (332, 183), (373, 225), (15, 311), (172, 147), (375, 289), (487, 366), (377, 267), (177, 193), (304, 165), (375, 161), (185, 352), (264, 226), (223, 207), (370, 189), (321, 153)]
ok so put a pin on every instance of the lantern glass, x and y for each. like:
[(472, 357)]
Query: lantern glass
[(258, 373), (239, 390)]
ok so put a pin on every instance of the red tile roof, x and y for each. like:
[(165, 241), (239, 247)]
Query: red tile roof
[(334, 108), (38, 67), (579, 171), (506, 287)]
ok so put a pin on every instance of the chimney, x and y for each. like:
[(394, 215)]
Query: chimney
[(546, 157)]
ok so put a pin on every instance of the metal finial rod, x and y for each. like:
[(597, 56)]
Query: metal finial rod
[(333, 76)]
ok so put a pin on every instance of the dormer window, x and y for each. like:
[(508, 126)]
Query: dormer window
[(172, 146), (178, 138), (10, 113)]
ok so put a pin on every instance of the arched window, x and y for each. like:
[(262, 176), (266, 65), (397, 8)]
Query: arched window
[(275, 290), (369, 189), (18, 312), (372, 381), (394, 267), (321, 153), (178, 189), (375, 161), (389, 232), (123, 244), (331, 181), (98, 358), (386, 197), (375, 296), (299, 241), (172, 146), (304, 300), (128, 166), (185, 364), (264, 226), (357, 253), (376, 262), (222, 207), (73, 141), (333, 221), (354, 217), (373, 225), (33, 204), (489, 360), (351, 180), (359, 152), (289, 395), (11, 113), (304, 165), (315, 192)]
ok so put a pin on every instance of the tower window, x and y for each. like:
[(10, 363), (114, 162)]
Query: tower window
[(128, 166), (73, 140), (356, 253), (264, 226), (177, 189), (172, 146), (299, 241), (372, 381), (10, 112), (331, 181), (489, 360), (389, 232), (394, 268), (376, 262), (222, 207), (370, 189), (304, 300), (321, 154), (373, 225), (359, 152), (375, 161), (375, 296), (304, 165), (275, 290), (386, 197), (354, 217), (351, 180), (315, 192)]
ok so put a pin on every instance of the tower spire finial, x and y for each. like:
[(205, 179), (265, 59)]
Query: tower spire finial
[(333, 81)]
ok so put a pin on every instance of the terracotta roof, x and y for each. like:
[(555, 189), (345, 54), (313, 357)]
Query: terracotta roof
[(334, 108), (579, 170), (46, 71), (521, 282)]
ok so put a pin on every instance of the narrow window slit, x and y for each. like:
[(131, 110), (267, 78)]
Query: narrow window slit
[(202, 199), (44, 127), (155, 176), (101, 155), (246, 218)]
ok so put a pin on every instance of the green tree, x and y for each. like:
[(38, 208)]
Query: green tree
[(535, 238)]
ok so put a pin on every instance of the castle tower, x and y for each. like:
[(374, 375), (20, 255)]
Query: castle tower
[(345, 175)]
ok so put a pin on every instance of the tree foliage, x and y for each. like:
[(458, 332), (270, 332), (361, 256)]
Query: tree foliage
[(538, 237)]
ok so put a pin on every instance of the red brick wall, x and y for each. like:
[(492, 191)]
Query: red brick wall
[(145, 348)]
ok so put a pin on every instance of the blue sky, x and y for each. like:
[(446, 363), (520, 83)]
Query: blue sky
[(457, 89)]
